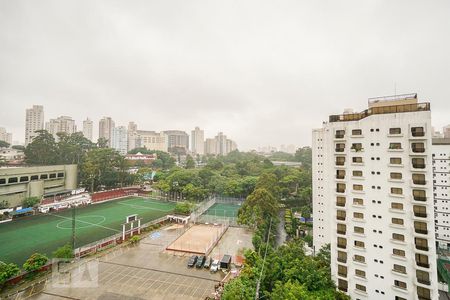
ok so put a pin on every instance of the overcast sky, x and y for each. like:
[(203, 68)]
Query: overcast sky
[(263, 72)]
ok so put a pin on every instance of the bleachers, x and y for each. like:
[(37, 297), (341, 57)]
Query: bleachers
[(116, 193)]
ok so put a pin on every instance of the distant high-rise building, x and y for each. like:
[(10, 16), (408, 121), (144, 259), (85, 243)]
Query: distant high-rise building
[(441, 186), (198, 141), (105, 130), (151, 140), (373, 199), (88, 127), (34, 121), (446, 132), (210, 146), (132, 135), (221, 144), (231, 146), (120, 139), (177, 139), (61, 124), (5, 136)]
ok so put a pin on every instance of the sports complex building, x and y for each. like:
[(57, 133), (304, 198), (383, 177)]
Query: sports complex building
[(43, 181)]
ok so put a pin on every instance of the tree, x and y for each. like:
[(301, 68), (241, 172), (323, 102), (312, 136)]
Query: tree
[(65, 251), (4, 204), (7, 271), (259, 207), (42, 150), (30, 201), (18, 147), (190, 163), (183, 208), (35, 262), (4, 144)]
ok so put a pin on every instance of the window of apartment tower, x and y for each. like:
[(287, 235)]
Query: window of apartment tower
[(423, 293), (358, 201), (395, 160), (395, 130), (395, 175), (397, 221), (398, 237), (356, 132), (398, 252), (396, 205), (397, 191), (357, 160), (395, 146)]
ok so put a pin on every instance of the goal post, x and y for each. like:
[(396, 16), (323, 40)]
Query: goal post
[(132, 222)]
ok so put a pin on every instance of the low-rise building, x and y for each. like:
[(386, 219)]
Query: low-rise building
[(18, 183)]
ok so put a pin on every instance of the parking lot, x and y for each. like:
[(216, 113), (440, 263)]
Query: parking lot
[(139, 272)]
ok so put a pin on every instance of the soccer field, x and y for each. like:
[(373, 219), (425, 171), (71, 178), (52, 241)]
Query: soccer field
[(45, 233)]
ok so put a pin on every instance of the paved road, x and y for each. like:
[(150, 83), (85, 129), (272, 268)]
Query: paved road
[(281, 233)]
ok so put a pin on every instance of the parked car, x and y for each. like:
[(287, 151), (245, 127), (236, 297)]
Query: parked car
[(200, 261), (208, 262), (192, 260), (214, 266)]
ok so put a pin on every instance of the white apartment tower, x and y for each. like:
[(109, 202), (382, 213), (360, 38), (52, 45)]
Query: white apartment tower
[(132, 136), (61, 124), (120, 139), (198, 141), (34, 120), (88, 128), (372, 199), (441, 191), (5, 136), (105, 129)]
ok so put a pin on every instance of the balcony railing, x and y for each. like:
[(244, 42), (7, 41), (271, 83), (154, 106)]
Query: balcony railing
[(423, 281), (339, 149), (342, 260), (342, 274), (340, 190), (419, 166), (417, 133), (381, 110), (418, 149), (342, 204), (420, 198), (341, 218), (339, 135), (340, 163), (340, 231), (420, 214), (421, 231), (342, 246), (340, 176), (423, 265), (423, 248), (419, 181)]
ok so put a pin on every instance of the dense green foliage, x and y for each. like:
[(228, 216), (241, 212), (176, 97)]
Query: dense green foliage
[(7, 271), (30, 201), (236, 175), (35, 262), (4, 144), (163, 161), (288, 274), (184, 208), (98, 166), (65, 251)]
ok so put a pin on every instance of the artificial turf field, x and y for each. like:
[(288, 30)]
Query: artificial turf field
[(223, 210), (45, 233)]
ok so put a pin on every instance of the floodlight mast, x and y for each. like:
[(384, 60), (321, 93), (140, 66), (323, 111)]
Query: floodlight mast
[(73, 227)]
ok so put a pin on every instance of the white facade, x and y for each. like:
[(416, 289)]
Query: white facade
[(151, 140), (372, 200), (198, 141), (132, 135), (34, 120), (61, 124), (221, 144), (120, 139), (441, 191), (105, 129), (210, 146), (88, 128), (5, 136)]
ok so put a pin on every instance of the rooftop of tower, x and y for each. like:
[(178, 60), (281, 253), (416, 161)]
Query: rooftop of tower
[(385, 105)]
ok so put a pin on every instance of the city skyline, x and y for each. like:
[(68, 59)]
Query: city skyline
[(275, 72)]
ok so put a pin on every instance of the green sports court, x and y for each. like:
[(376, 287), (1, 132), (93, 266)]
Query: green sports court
[(45, 233), (223, 210)]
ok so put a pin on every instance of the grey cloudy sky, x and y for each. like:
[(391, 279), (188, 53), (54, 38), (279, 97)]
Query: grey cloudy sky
[(264, 72)]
